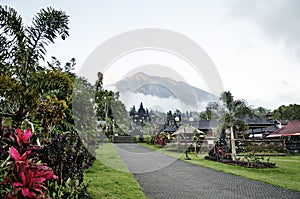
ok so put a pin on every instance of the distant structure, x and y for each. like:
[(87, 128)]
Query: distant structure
[(141, 116)]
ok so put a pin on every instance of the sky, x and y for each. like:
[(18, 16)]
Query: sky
[(254, 44)]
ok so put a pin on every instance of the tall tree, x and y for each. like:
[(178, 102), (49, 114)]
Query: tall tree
[(85, 120), (23, 82), (233, 110), (110, 109)]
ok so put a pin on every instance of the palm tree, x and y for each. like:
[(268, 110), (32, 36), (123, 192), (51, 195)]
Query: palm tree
[(23, 82), (233, 109)]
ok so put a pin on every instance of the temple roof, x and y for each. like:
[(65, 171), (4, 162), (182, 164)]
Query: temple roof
[(208, 124), (291, 129), (170, 128), (255, 120)]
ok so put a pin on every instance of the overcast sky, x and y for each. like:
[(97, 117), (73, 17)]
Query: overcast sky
[(254, 44)]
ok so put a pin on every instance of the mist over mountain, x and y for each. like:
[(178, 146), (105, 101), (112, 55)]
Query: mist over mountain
[(162, 92)]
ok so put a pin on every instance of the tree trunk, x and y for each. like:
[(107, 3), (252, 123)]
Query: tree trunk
[(233, 151)]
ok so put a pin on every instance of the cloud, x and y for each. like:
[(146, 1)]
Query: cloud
[(278, 19), (286, 83), (277, 100)]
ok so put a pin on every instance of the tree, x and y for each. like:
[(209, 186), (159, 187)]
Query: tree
[(121, 118), (83, 110), (24, 83), (41, 95), (110, 109), (212, 111), (290, 112), (233, 109), (261, 112)]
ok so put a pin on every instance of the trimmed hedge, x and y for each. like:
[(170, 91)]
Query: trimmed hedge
[(264, 146)]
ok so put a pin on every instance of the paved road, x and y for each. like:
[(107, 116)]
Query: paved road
[(163, 177)]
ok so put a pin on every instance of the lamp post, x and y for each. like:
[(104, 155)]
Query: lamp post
[(177, 119)]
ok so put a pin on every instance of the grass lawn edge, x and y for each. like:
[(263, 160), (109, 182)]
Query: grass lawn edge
[(109, 177), (285, 175)]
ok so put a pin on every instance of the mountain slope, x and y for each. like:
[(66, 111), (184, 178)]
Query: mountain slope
[(163, 87)]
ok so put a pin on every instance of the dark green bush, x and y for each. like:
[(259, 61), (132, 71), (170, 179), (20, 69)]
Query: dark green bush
[(68, 157)]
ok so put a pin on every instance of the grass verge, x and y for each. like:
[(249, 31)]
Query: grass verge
[(108, 177), (286, 174)]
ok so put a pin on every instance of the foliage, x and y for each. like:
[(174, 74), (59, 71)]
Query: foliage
[(160, 140), (261, 112), (265, 146), (251, 157), (42, 96), (68, 157), (24, 177), (110, 109), (23, 82), (71, 189), (290, 112), (198, 139), (121, 118), (66, 154), (50, 112), (150, 139), (230, 117), (219, 152), (85, 120), (212, 111), (234, 109)]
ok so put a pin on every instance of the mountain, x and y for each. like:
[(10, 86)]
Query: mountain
[(163, 89)]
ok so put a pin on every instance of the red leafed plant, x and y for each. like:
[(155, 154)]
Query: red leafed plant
[(26, 177), (160, 140)]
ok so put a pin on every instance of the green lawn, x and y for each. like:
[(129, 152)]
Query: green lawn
[(108, 178), (286, 174)]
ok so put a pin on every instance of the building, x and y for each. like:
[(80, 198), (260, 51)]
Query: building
[(209, 127)]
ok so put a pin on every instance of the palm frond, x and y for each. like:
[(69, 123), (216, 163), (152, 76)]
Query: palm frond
[(11, 23), (47, 25)]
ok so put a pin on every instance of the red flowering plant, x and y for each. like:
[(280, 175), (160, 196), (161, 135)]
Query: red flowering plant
[(25, 177), (160, 140), (21, 140)]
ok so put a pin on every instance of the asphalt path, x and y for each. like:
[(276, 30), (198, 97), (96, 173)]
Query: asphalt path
[(164, 177)]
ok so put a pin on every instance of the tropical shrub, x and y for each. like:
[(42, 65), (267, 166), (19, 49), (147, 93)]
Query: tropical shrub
[(70, 189), (68, 157), (160, 140), (42, 97), (23, 176)]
